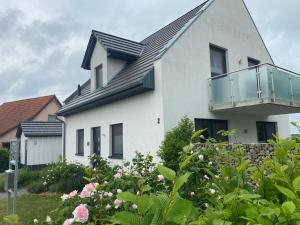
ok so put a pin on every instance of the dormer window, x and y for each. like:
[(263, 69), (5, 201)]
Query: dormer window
[(98, 77)]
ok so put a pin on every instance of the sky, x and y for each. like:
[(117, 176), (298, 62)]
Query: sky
[(42, 42)]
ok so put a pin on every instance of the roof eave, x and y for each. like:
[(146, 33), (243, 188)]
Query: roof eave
[(141, 86)]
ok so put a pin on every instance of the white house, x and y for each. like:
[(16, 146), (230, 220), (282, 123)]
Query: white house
[(198, 65), (40, 142)]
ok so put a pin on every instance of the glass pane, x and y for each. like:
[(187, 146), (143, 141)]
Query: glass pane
[(99, 77), (296, 88), (245, 85), (220, 91), (260, 132), (80, 142), (270, 130), (217, 126), (217, 61), (117, 139), (281, 84)]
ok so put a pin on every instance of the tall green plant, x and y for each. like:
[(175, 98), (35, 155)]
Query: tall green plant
[(174, 142)]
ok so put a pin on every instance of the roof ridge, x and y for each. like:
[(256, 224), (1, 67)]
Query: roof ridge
[(117, 37), (178, 18), (26, 99)]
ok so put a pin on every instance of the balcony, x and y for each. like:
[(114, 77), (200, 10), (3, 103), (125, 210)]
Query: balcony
[(262, 90)]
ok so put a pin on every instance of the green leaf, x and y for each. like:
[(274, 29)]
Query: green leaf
[(160, 200), (157, 218), (127, 197), (181, 181), (144, 203), (126, 218), (198, 133), (229, 198), (296, 183), (288, 207), (287, 192), (179, 210), (166, 172), (242, 166), (184, 164)]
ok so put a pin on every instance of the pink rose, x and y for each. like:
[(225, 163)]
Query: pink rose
[(68, 221), (81, 214), (85, 194), (73, 194), (90, 187)]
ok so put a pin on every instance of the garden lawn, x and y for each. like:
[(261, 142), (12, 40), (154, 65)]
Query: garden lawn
[(32, 206)]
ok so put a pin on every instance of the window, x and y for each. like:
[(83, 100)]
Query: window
[(96, 140), (253, 62), (52, 118), (265, 131), (117, 141), (212, 126), (98, 77), (80, 142), (217, 61)]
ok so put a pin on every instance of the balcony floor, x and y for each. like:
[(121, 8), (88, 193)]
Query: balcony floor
[(265, 107)]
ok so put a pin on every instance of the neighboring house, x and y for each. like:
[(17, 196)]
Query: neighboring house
[(40, 142), (33, 109), (138, 91)]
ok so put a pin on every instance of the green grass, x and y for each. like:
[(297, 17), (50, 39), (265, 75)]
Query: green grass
[(32, 206)]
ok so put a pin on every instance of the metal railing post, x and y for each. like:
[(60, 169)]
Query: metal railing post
[(231, 80), (273, 86), (258, 84)]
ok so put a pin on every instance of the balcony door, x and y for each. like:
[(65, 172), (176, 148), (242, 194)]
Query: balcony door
[(212, 127), (96, 138)]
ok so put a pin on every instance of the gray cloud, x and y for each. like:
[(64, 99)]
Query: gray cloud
[(42, 43)]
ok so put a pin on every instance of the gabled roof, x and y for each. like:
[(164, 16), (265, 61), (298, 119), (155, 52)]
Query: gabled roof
[(115, 46), (138, 76), (40, 129), (11, 113)]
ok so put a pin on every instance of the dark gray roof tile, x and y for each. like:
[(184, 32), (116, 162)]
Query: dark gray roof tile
[(40, 129)]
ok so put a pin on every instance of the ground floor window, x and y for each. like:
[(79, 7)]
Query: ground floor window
[(117, 141), (213, 127), (80, 142), (265, 131), (96, 140)]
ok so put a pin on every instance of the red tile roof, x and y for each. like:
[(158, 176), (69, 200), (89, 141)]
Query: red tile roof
[(12, 113)]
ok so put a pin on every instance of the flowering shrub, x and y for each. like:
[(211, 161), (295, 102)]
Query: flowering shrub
[(63, 177)]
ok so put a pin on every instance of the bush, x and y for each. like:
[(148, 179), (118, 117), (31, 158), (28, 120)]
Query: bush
[(4, 157), (63, 177), (174, 142), (28, 176), (1, 183), (36, 187)]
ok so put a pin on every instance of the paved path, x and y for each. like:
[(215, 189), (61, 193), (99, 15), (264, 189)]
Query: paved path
[(3, 195)]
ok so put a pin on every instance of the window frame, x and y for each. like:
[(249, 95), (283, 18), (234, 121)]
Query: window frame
[(209, 128), (264, 123), (219, 49), (98, 68), (77, 143), (249, 59), (114, 155)]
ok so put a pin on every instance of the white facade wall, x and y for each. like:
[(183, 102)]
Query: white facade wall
[(139, 116), (40, 150), (43, 150), (186, 67)]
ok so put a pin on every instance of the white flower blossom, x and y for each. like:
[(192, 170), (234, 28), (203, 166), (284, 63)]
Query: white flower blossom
[(206, 205), (206, 177), (108, 206), (134, 206), (201, 157), (110, 194), (48, 219), (64, 197), (209, 163), (192, 193), (138, 193), (212, 190), (117, 203), (45, 183), (119, 191), (161, 177)]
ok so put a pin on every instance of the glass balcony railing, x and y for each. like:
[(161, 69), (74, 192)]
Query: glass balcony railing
[(260, 84)]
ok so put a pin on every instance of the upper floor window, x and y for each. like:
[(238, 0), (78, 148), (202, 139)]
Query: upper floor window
[(52, 118), (253, 62), (117, 140), (98, 77), (218, 62), (80, 142)]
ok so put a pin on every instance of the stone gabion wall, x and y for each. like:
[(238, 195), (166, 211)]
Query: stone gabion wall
[(254, 152)]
